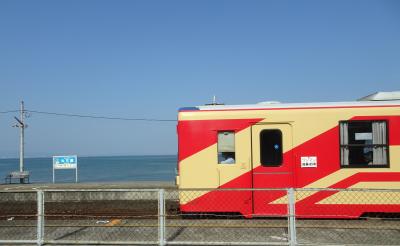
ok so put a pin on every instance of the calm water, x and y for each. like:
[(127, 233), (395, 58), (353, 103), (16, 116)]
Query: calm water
[(98, 169)]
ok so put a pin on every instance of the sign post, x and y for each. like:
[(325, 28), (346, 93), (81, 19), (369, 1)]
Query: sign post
[(65, 162)]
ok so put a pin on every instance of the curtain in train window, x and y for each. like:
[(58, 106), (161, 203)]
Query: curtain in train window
[(226, 147), (363, 143)]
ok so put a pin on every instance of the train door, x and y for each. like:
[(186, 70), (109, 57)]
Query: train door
[(272, 166)]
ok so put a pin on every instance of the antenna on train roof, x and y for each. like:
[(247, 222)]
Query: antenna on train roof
[(214, 102)]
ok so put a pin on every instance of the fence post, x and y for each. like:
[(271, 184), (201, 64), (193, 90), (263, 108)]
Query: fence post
[(292, 217), (161, 217), (40, 217)]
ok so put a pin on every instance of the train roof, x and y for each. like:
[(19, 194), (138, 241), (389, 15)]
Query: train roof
[(374, 100)]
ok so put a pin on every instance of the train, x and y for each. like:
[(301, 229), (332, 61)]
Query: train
[(227, 155)]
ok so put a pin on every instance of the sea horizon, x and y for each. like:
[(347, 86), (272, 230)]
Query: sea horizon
[(84, 156), (119, 168)]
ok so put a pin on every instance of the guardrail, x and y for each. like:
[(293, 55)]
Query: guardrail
[(154, 216)]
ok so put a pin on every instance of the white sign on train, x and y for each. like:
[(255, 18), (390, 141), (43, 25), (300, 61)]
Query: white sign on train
[(308, 161), (65, 162)]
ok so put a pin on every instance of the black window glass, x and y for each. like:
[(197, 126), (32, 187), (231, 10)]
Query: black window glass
[(359, 155), (359, 129), (271, 147)]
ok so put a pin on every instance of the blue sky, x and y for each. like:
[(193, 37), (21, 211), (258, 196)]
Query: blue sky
[(148, 58)]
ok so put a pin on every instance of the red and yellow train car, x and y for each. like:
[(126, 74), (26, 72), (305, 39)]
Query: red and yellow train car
[(294, 145)]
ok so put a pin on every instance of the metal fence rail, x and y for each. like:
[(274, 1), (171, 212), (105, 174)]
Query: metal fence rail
[(198, 216)]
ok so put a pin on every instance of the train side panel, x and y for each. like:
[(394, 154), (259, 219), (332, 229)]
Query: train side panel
[(313, 133)]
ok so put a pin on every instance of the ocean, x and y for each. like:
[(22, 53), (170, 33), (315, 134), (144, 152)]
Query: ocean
[(98, 169)]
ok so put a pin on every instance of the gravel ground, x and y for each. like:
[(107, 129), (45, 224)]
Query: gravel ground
[(224, 231)]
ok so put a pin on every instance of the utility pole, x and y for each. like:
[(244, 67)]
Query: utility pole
[(22, 126)]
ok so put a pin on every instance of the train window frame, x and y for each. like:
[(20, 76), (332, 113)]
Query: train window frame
[(275, 163), (347, 150), (226, 154)]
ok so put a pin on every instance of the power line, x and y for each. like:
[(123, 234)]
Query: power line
[(8, 111), (88, 116), (97, 117)]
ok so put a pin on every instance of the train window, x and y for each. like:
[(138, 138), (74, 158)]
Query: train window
[(271, 148), (226, 147), (363, 144)]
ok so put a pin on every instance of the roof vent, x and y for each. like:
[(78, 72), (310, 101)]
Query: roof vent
[(269, 102), (382, 96)]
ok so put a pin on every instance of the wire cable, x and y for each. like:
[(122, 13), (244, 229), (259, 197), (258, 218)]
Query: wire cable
[(8, 111), (98, 117)]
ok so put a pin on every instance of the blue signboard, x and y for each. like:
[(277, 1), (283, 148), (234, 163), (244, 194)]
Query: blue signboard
[(65, 162)]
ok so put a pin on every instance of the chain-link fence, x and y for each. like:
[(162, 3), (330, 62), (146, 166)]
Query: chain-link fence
[(18, 217), (102, 216), (348, 216), (201, 216), (224, 217)]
